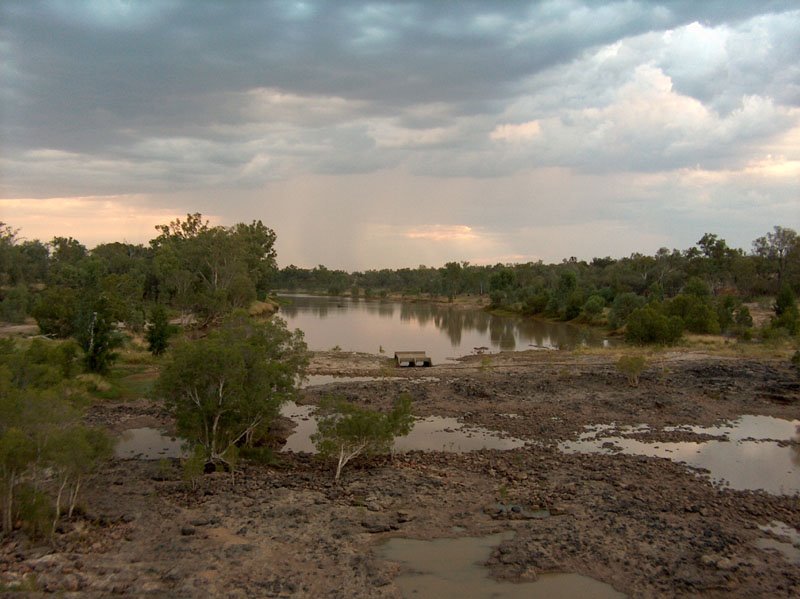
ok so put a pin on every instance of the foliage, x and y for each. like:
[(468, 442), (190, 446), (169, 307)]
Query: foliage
[(624, 305), (650, 325), (158, 331), (632, 366), (14, 304), (787, 316), (46, 453), (97, 335), (695, 311), (209, 271), (346, 431), (593, 308), (55, 311), (193, 467), (225, 389)]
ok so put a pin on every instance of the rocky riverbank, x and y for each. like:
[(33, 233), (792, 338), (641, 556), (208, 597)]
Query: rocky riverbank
[(648, 526)]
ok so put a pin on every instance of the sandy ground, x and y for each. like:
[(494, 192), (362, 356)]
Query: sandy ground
[(647, 526)]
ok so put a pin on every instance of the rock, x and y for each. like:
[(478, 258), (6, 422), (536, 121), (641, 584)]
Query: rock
[(376, 526), (188, 530)]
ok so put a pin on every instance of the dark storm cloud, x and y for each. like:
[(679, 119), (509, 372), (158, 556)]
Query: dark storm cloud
[(86, 74)]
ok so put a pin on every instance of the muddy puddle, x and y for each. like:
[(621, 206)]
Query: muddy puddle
[(147, 444), (455, 568), (433, 433), (787, 542), (751, 453)]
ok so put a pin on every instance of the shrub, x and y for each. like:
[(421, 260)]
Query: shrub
[(696, 312), (649, 325), (622, 307), (593, 308), (632, 367), (346, 431)]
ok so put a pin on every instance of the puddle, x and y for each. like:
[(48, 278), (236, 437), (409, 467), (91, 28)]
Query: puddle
[(433, 433), (454, 568), (789, 547), (147, 444), (753, 455)]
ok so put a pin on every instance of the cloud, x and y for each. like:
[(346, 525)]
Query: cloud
[(520, 132), (651, 117), (442, 233)]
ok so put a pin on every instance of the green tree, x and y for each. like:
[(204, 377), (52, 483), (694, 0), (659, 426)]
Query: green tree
[(346, 431), (55, 311), (158, 331), (776, 249), (97, 336), (786, 313), (650, 325), (593, 308), (225, 389), (623, 306)]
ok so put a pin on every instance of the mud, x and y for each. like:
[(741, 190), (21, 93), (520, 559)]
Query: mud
[(647, 526)]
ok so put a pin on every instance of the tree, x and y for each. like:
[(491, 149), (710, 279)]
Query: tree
[(74, 453), (622, 307), (210, 270), (346, 431), (786, 312), (593, 308), (97, 336), (650, 325), (775, 249), (225, 389), (158, 331)]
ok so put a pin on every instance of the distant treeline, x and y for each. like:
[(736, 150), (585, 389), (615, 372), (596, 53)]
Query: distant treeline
[(700, 289), (773, 260), (204, 272)]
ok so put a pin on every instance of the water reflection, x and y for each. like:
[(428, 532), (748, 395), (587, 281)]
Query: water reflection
[(453, 568), (433, 433), (442, 331), (148, 444), (754, 454)]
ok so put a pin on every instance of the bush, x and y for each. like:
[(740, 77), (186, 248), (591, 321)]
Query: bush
[(593, 308), (696, 312), (158, 331), (649, 325), (632, 367), (624, 305), (346, 431)]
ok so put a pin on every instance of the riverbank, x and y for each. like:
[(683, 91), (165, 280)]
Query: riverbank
[(648, 526)]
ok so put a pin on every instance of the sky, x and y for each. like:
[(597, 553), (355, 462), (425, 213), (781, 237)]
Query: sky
[(393, 134)]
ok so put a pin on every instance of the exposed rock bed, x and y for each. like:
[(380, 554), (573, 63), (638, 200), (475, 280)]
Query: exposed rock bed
[(648, 526)]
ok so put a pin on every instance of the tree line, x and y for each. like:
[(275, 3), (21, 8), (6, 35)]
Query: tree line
[(701, 289)]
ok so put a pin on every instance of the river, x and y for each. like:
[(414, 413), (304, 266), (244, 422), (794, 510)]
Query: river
[(440, 330)]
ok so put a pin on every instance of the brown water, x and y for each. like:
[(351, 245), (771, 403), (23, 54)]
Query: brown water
[(147, 444), (433, 433), (788, 545), (753, 455), (440, 330), (454, 568)]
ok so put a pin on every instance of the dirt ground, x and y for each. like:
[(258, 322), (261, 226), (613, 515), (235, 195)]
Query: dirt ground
[(647, 526)]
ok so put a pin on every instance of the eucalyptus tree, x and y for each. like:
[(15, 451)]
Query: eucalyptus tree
[(226, 388)]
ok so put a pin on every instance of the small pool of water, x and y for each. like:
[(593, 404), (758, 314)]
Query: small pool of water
[(757, 453), (788, 546), (433, 433), (454, 568), (147, 444)]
